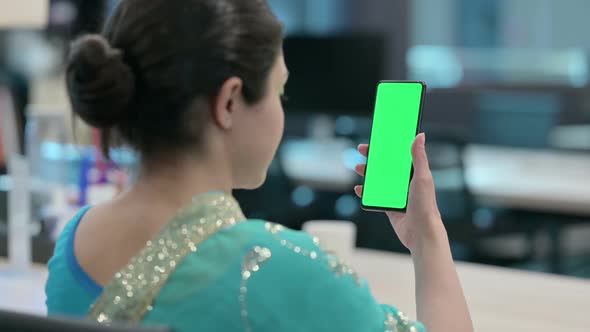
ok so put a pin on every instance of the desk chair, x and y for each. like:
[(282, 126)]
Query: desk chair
[(18, 322), (469, 225), (455, 201)]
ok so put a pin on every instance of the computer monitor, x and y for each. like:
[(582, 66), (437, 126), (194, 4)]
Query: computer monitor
[(333, 74)]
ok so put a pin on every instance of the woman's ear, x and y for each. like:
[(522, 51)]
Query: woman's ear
[(226, 102)]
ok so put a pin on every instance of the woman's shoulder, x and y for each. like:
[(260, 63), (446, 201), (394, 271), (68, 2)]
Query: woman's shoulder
[(68, 289), (279, 252), (330, 295), (65, 241), (288, 247), (276, 235), (294, 254)]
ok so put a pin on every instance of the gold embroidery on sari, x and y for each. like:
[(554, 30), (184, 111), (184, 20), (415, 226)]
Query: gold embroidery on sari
[(130, 294), (401, 323), (338, 266), (391, 323), (250, 265)]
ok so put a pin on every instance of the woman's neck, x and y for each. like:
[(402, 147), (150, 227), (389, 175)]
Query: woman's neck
[(171, 185)]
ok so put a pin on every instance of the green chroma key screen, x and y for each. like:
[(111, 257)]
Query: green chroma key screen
[(395, 126)]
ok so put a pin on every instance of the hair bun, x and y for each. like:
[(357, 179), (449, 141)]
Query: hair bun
[(100, 84)]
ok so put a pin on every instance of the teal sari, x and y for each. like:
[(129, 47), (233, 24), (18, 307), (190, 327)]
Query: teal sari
[(211, 270)]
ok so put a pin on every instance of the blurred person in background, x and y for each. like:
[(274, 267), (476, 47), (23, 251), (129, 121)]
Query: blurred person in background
[(195, 86), (16, 82), (27, 54)]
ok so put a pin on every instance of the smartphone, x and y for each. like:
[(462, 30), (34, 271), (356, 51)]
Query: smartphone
[(396, 122)]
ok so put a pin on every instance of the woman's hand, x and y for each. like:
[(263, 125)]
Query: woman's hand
[(421, 223), (440, 302)]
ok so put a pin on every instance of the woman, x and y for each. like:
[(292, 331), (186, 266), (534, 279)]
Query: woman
[(194, 86)]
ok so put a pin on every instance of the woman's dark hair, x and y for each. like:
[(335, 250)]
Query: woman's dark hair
[(140, 80)]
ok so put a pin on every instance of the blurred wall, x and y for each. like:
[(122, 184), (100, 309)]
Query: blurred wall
[(433, 22), (545, 23), (520, 23)]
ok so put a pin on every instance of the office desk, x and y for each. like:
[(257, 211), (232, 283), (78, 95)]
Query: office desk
[(549, 186), (549, 181), (23, 291), (535, 180), (499, 299)]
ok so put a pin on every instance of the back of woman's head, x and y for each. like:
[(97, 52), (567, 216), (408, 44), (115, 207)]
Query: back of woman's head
[(140, 81)]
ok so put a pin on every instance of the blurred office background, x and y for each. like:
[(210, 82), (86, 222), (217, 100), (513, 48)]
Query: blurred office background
[(507, 118)]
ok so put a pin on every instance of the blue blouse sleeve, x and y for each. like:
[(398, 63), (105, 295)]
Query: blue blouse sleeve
[(292, 281)]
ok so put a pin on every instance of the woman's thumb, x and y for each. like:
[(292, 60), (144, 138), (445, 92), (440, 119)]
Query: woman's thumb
[(420, 160)]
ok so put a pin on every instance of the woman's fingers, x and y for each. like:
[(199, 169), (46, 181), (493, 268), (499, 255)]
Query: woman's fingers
[(358, 190), (363, 149), (420, 159), (360, 169)]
